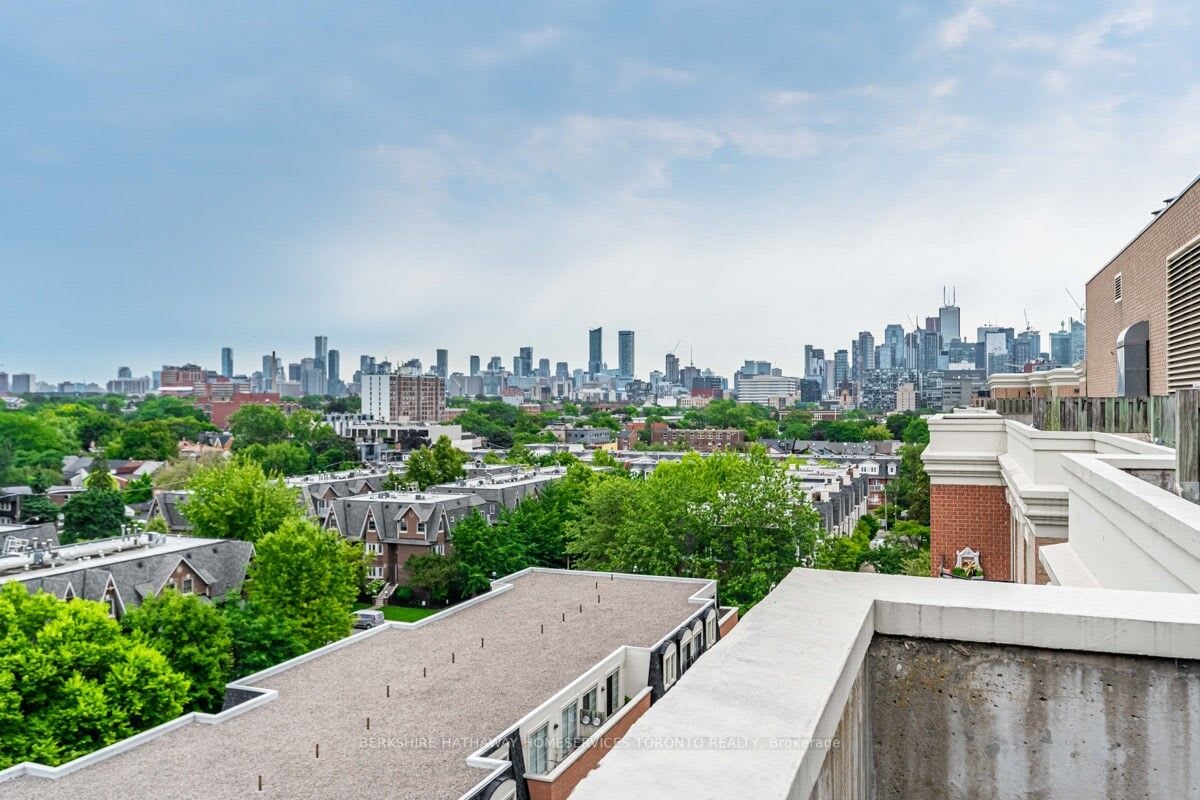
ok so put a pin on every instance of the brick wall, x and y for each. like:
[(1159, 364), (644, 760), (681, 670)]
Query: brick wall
[(1143, 268), (970, 516)]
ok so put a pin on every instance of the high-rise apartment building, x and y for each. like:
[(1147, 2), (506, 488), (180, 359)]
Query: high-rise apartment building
[(596, 351), (443, 363), (562, 371), (23, 382), (524, 363), (404, 396), (495, 364), (3, 383), (1060, 347), (321, 350), (625, 353), (840, 367), (474, 368), (226, 362), (543, 369), (672, 368), (866, 352)]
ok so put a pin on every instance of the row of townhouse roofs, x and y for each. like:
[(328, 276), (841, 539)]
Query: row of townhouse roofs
[(598, 685)]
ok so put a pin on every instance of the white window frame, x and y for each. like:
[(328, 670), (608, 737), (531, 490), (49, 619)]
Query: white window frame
[(539, 756), (188, 585), (670, 667), (567, 740), (710, 632), (612, 706)]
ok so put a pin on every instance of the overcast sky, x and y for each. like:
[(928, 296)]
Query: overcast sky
[(746, 177)]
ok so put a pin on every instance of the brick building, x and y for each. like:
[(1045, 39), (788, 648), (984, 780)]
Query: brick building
[(1149, 281), (704, 440)]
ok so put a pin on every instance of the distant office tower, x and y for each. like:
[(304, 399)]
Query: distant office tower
[(526, 363), (841, 368), (1078, 341), (931, 348), (294, 373), (227, 362), (933, 324), (270, 372), (518, 367), (1026, 348), (312, 377), (883, 357), (814, 361), (948, 318), (333, 369), (366, 365), (543, 368), (866, 352), (893, 339), (561, 371), (596, 351), (123, 373), (23, 383), (1060, 347), (495, 364), (3, 383), (474, 365), (320, 350), (443, 363), (625, 353), (672, 368)]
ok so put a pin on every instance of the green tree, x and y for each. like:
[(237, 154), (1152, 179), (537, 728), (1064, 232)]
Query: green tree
[(71, 682), (149, 440), (876, 433), (261, 638), (99, 478), (236, 500), (441, 463), (280, 458), (917, 431), (438, 576), (910, 490), (308, 576), (138, 490), (258, 424), (392, 482), (38, 508), (29, 447), (93, 514), (195, 638), (482, 550)]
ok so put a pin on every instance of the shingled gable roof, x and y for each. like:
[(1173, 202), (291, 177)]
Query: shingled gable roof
[(219, 563), (349, 515)]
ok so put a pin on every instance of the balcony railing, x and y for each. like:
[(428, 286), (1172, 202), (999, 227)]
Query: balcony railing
[(1152, 416)]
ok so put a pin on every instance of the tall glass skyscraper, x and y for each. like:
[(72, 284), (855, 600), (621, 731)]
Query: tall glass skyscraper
[(625, 353)]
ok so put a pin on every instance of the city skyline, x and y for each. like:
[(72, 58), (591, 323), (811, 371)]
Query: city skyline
[(952, 144)]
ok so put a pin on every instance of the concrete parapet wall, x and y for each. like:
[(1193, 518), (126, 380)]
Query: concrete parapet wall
[(986, 721)]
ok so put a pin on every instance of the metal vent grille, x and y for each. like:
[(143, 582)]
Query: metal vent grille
[(1117, 288), (1183, 318)]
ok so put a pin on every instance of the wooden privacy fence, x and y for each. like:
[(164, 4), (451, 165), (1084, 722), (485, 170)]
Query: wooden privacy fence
[(1152, 416)]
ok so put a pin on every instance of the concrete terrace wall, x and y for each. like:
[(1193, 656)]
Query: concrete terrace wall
[(983, 721), (846, 771)]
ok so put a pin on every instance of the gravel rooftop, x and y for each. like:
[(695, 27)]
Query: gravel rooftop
[(328, 700)]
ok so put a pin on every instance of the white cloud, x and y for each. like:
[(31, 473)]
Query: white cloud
[(956, 30), (514, 46)]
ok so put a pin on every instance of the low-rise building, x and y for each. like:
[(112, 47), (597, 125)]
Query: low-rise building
[(319, 490), (517, 693), (394, 526), (503, 491), (704, 440), (123, 571)]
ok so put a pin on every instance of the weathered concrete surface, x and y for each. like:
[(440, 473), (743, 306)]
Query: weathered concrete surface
[(846, 772), (981, 721)]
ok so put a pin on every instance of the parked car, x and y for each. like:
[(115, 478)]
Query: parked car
[(367, 618)]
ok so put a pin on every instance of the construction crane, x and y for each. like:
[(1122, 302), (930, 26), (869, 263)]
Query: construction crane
[(1028, 326), (1077, 304)]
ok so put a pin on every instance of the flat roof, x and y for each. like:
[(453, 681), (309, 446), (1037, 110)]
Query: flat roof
[(747, 720), (458, 705), (98, 553)]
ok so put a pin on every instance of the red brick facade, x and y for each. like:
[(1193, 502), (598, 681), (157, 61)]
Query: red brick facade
[(977, 517)]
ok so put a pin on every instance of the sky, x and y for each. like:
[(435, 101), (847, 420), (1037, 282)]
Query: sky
[(742, 178)]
